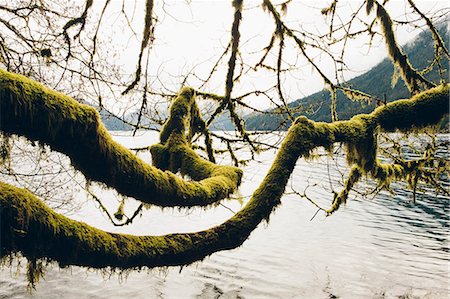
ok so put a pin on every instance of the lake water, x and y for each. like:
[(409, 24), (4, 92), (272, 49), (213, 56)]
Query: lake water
[(381, 247)]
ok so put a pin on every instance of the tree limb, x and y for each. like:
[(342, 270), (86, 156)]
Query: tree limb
[(28, 226), (31, 110)]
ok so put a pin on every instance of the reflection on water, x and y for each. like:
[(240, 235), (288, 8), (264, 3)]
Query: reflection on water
[(386, 247)]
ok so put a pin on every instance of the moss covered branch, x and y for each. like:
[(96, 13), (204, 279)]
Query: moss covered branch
[(28, 226), (31, 110), (413, 79)]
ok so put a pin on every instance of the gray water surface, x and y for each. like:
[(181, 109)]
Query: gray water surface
[(382, 247)]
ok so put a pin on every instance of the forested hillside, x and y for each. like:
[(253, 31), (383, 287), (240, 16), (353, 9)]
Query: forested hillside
[(376, 82)]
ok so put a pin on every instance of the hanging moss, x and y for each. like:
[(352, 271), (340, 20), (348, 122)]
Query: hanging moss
[(413, 79), (356, 95), (5, 148), (424, 109), (120, 212), (369, 5), (359, 135), (175, 154), (334, 116), (341, 198), (38, 113), (387, 173), (30, 227), (35, 271), (362, 150)]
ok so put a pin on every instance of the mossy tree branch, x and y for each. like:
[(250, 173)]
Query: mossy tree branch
[(413, 79), (28, 226), (38, 113)]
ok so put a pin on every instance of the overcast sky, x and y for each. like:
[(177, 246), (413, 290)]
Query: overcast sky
[(193, 36)]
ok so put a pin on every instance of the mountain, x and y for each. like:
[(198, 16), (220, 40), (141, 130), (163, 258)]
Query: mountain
[(376, 82), (111, 122)]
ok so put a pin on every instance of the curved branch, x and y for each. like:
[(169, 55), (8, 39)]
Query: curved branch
[(79, 20), (38, 113), (30, 227)]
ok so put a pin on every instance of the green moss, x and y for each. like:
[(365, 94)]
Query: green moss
[(5, 149), (424, 109), (175, 153), (38, 113), (334, 116), (356, 95), (30, 227), (179, 114), (413, 79), (359, 135), (341, 198), (120, 213), (387, 173), (35, 271), (36, 231)]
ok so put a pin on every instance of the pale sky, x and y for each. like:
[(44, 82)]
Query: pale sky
[(193, 36)]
